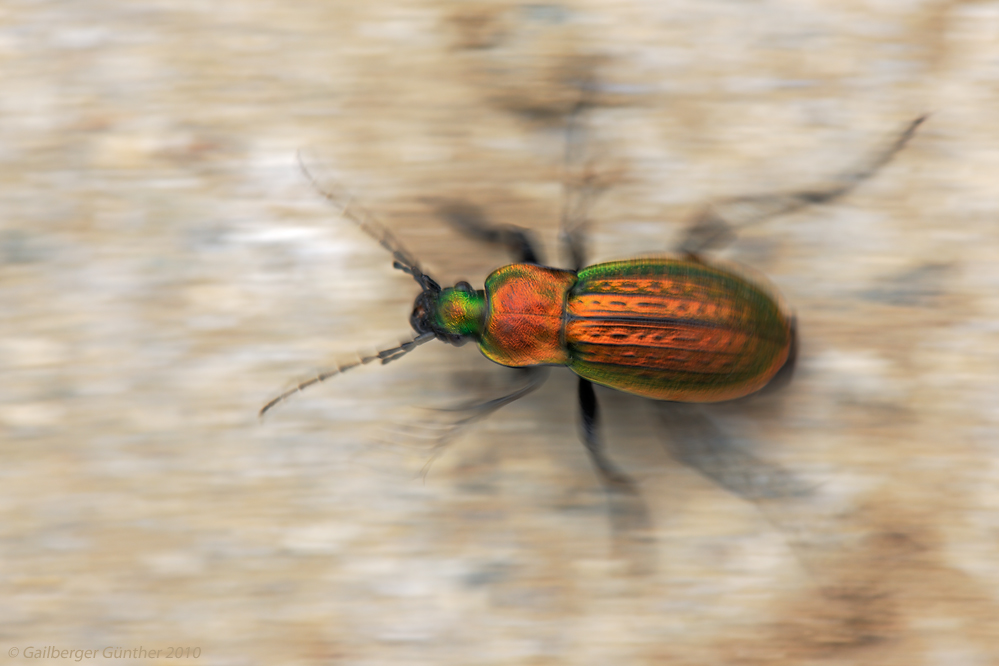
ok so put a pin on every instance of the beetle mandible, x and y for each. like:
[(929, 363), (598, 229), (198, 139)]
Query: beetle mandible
[(677, 329)]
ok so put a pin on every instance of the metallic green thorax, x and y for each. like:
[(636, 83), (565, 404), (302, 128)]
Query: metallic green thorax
[(461, 312)]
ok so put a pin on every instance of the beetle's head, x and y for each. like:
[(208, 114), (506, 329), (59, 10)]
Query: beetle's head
[(425, 308), (454, 315)]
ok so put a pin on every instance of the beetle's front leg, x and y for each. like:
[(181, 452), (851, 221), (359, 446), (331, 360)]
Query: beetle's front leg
[(470, 220)]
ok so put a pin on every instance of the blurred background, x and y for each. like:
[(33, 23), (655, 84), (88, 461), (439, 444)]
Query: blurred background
[(165, 269)]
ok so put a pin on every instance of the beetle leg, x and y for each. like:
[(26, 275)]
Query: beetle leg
[(590, 424), (581, 185), (470, 220), (696, 441), (535, 375), (629, 515), (572, 222), (716, 224), (470, 412)]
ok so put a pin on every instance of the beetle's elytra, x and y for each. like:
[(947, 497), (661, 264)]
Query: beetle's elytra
[(671, 329)]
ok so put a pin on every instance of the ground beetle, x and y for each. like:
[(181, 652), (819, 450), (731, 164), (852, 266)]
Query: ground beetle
[(675, 329)]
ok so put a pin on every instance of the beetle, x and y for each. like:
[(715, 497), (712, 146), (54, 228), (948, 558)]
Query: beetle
[(678, 329)]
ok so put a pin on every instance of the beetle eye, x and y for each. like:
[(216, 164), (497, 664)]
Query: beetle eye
[(465, 287), (421, 313)]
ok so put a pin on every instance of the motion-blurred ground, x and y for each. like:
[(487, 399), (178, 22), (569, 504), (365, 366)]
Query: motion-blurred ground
[(165, 269)]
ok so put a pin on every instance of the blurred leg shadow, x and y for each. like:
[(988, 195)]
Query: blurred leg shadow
[(693, 438)]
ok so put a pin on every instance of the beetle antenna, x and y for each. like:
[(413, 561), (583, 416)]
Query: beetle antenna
[(384, 356), (369, 224)]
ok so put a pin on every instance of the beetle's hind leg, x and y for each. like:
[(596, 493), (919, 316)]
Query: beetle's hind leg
[(575, 199), (470, 220), (629, 514), (589, 421), (715, 226), (696, 440)]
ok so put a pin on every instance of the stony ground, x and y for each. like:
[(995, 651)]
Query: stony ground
[(165, 268)]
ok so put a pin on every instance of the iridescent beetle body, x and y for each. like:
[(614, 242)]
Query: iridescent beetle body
[(676, 330), (662, 328)]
